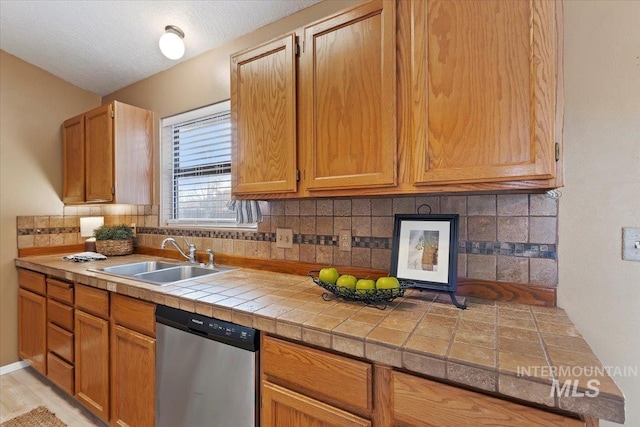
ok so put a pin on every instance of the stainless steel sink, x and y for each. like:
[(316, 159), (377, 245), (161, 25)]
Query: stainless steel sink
[(176, 274), (160, 272), (137, 267)]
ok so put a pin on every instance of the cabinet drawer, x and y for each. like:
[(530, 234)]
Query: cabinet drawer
[(134, 314), (420, 402), (92, 300), (328, 377), (60, 342), (60, 291), (60, 372), (60, 314), (33, 281)]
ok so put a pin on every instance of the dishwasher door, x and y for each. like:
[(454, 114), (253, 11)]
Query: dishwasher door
[(203, 383)]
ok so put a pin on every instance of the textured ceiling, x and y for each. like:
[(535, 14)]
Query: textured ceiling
[(103, 46)]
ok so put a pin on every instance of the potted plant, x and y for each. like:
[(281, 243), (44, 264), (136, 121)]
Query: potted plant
[(114, 240)]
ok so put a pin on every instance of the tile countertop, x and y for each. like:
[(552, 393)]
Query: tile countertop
[(506, 348)]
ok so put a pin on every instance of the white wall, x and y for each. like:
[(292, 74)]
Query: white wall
[(600, 291)]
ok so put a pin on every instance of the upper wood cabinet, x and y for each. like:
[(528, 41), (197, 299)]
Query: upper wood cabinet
[(484, 90), (107, 156), (348, 99), (263, 107)]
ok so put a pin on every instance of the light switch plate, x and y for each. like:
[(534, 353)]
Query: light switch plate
[(631, 243), (284, 238)]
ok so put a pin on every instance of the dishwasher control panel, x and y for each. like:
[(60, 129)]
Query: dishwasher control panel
[(208, 327)]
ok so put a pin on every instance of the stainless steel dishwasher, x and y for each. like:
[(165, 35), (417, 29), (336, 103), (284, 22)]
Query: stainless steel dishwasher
[(206, 371)]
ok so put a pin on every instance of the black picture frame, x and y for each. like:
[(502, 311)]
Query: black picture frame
[(425, 251)]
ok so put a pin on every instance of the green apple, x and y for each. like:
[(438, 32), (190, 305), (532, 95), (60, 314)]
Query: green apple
[(387, 283), (368, 286), (347, 281), (329, 275)]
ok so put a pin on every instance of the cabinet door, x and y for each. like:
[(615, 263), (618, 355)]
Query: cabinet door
[(133, 374), (92, 363), (73, 160), (484, 90), (263, 111), (422, 403), (32, 329), (285, 408), (348, 99), (99, 154)]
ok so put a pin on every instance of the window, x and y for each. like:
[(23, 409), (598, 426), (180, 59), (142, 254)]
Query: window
[(196, 167)]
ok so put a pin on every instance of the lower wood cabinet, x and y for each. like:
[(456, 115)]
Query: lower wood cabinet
[(423, 403), (282, 407), (133, 362), (32, 329), (92, 363)]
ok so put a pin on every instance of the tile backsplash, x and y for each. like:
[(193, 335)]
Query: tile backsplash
[(502, 237)]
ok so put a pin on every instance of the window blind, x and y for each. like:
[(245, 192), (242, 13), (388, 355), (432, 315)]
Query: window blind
[(196, 167)]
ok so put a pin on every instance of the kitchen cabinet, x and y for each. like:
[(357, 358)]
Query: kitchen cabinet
[(312, 386), (32, 319), (346, 107), (107, 156), (60, 337), (133, 358), (283, 407), (423, 403), (263, 108), (92, 349), (348, 99), (484, 97)]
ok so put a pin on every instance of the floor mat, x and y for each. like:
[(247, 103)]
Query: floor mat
[(41, 417)]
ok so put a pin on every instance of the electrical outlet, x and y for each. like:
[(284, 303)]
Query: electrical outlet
[(344, 240), (631, 244), (284, 238)]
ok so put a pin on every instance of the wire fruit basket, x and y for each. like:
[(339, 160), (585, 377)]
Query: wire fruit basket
[(378, 298)]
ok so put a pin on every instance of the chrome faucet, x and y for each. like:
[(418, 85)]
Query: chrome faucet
[(211, 258), (192, 248)]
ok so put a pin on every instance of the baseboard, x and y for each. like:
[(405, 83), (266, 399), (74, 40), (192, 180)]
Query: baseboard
[(13, 367)]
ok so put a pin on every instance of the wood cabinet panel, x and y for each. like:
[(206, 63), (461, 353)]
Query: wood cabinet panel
[(60, 291), (60, 342), (286, 408), (348, 99), (73, 161), (99, 154), (30, 280), (32, 333), (419, 402), (331, 378), (92, 363), (92, 300), (133, 374), (60, 372), (263, 106), (484, 96), (134, 314), (60, 314), (108, 156)]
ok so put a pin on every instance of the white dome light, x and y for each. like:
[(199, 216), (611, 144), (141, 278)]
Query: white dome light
[(172, 43)]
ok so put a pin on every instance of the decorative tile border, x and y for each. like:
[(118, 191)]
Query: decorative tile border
[(55, 230)]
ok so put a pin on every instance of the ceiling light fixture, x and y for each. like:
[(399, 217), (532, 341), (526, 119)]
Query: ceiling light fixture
[(172, 43)]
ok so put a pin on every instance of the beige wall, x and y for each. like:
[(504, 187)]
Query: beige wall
[(600, 292), (33, 104)]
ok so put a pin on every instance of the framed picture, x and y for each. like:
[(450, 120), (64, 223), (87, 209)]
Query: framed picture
[(425, 251)]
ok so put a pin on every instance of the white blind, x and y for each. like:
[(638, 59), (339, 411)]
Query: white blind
[(196, 167)]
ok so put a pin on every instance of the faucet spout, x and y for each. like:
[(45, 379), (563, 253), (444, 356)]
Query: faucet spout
[(192, 248)]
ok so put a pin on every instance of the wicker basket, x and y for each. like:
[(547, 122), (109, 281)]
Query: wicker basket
[(114, 247)]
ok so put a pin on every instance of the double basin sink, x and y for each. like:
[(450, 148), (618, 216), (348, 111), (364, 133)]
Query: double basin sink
[(160, 272)]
